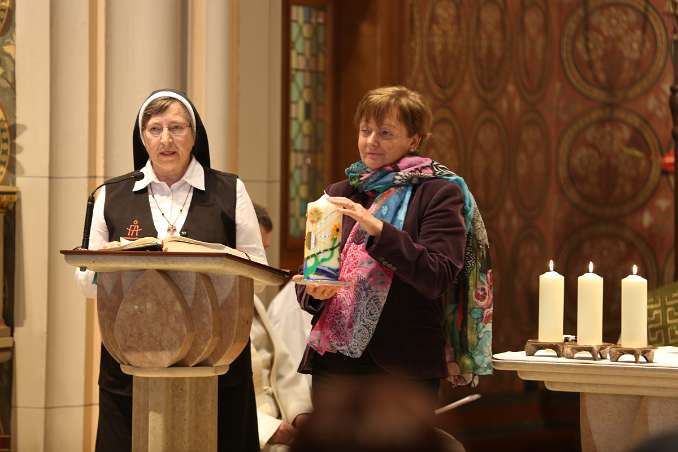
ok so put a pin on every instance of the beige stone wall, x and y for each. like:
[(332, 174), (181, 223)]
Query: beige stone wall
[(82, 69)]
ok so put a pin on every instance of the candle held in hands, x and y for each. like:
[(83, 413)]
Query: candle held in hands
[(634, 311), (589, 308), (551, 306), (323, 237)]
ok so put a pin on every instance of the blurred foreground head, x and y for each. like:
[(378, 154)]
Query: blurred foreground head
[(666, 441), (372, 415)]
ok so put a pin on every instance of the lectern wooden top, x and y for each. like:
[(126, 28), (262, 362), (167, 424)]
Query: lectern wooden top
[(113, 261)]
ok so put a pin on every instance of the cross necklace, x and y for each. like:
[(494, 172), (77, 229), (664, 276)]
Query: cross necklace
[(171, 229)]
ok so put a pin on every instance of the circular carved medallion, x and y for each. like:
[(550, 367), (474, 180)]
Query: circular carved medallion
[(491, 55), (533, 49), (614, 50), (414, 42), (487, 162), (446, 144), (445, 46), (613, 249), (531, 163), (506, 314), (608, 162), (497, 259), (5, 12), (529, 260)]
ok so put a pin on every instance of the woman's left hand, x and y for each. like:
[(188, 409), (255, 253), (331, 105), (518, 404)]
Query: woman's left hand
[(318, 290), (372, 225)]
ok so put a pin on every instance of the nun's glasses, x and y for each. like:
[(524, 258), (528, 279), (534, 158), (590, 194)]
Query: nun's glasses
[(176, 130)]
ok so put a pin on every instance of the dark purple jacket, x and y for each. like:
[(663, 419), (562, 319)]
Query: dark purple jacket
[(426, 256)]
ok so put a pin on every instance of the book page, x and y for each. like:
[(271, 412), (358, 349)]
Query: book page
[(181, 241), (185, 244)]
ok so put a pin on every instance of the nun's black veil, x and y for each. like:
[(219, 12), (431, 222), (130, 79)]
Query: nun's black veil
[(201, 148)]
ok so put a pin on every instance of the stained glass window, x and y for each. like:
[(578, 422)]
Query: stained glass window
[(307, 111)]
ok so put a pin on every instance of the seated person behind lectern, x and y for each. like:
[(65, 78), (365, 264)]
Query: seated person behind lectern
[(292, 324), (282, 394), (179, 194)]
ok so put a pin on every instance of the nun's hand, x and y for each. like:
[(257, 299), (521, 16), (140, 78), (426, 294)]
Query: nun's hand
[(372, 225), (319, 291)]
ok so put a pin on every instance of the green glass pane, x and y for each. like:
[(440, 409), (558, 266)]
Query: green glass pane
[(301, 109), (297, 142), (295, 92), (298, 79), (299, 44), (295, 31), (295, 128)]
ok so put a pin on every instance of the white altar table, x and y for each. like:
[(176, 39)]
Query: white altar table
[(620, 403)]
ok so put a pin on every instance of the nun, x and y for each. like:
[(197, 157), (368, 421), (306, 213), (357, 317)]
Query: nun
[(179, 195)]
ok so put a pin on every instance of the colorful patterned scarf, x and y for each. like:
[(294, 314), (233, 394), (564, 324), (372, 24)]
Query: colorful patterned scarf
[(349, 319)]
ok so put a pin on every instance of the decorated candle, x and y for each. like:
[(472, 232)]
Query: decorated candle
[(551, 294), (590, 308), (634, 311), (323, 237)]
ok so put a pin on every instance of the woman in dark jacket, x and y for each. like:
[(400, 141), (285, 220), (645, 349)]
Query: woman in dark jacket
[(408, 224)]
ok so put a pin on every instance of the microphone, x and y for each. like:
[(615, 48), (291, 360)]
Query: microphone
[(137, 175)]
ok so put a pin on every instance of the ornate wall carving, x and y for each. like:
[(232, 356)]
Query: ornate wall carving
[(561, 109), (7, 92)]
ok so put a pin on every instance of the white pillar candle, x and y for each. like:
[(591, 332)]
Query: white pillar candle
[(551, 306), (590, 308), (634, 311), (323, 237)]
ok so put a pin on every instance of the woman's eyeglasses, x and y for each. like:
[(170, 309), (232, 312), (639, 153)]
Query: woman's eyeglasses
[(176, 130)]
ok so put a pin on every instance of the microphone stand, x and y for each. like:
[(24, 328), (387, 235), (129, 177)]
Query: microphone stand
[(89, 212)]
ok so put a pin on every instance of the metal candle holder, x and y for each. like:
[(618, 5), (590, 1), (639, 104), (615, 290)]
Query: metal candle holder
[(596, 350), (532, 346), (615, 352)]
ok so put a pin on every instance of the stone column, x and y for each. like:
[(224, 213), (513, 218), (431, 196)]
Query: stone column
[(234, 78), (145, 51), (62, 90), (213, 75), (259, 108), (175, 409)]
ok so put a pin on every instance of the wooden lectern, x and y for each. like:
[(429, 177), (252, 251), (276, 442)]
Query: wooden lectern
[(175, 321)]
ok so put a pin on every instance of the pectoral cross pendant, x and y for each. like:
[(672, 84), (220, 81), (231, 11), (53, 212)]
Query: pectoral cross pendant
[(171, 229)]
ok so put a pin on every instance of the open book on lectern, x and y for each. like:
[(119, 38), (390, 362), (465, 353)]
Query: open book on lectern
[(173, 244), (175, 253)]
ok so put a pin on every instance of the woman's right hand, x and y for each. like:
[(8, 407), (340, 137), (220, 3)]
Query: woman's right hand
[(318, 291), (284, 434)]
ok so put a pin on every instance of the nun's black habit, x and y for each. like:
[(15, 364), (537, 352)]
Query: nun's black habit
[(237, 421)]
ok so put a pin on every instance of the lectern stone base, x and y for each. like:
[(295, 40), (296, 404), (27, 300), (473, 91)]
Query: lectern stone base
[(175, 408)]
